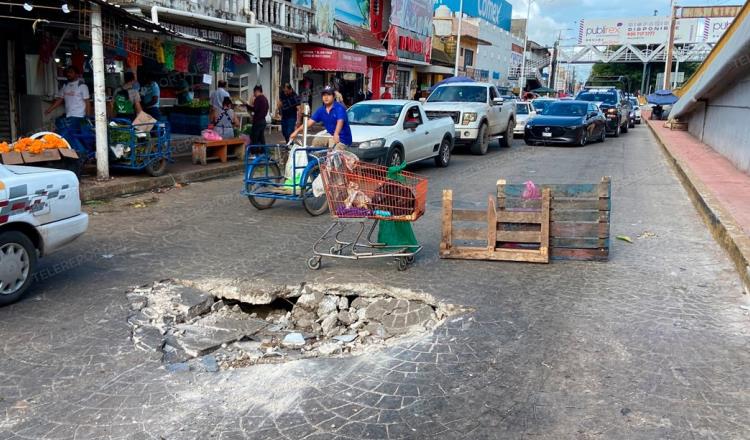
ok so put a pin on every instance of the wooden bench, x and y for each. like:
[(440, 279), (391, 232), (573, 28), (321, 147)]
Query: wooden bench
[(204, 150)]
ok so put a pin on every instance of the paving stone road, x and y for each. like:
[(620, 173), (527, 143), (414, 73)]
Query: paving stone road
[(651, 345)]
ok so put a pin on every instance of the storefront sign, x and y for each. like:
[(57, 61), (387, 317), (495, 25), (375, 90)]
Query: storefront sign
[(497, 12), (331, 60), (408, 45), (210, 35), (413, 15)]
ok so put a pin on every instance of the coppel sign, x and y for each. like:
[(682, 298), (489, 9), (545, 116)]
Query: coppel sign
[(497, 12)]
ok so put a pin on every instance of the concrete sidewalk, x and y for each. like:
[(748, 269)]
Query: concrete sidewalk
[(720, 191), (180, 172)]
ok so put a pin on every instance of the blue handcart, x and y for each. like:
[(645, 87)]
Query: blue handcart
[(264, 182), (134, 147)]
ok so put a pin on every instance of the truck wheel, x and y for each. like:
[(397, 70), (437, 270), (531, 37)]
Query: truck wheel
[(480, 146), (17, 265), (395, 157), (617, 131), (625, 127), (506, 140), (444, 154)]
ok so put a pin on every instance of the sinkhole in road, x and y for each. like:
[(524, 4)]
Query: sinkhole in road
[(213, 324)]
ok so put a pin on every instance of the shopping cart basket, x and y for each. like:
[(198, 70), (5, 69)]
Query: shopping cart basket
[(361, 194)]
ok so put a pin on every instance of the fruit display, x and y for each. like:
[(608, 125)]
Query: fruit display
[(35, 145)]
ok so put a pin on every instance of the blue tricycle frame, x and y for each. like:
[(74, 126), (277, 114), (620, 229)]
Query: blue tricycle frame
[(264, 182), (150, 151)]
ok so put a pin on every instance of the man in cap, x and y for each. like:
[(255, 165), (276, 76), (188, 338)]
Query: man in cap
[(333, 117)]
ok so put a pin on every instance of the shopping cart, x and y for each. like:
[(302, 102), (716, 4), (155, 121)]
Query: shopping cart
[(361, 196)]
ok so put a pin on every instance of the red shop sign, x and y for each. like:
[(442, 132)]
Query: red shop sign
[(331, 60)]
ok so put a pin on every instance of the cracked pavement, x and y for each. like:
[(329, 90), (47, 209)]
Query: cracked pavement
[(652, 344)]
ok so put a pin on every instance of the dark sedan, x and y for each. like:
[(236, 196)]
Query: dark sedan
[(566, 122)]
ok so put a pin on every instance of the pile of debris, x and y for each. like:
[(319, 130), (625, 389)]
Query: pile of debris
[(224, 324)]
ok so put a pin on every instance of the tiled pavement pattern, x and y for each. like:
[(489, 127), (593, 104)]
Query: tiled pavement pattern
[(653, 344)]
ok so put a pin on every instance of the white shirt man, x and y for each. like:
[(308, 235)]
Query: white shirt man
[(217, 97), (75, 95)]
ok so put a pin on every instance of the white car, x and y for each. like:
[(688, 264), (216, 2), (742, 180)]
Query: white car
[(40, 212), (478, 111), (524, 111), (391, 131)]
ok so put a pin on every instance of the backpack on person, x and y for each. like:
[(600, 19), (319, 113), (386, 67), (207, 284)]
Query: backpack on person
[(122, 103)]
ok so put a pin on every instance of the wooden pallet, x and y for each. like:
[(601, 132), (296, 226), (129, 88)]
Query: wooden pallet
[(501, 238), (579, 217)]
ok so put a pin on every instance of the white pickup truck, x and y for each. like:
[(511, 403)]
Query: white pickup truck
[(40, 211), (478, 111), (391, 131)]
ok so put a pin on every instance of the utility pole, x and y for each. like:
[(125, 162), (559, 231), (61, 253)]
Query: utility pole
[(458, 39), (100, 98), (522, 76), (670, 45)]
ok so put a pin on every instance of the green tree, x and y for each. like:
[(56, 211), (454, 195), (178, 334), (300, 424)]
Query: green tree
[(634, 71)]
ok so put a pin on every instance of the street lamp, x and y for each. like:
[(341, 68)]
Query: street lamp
[(522, 80), (458, 39)]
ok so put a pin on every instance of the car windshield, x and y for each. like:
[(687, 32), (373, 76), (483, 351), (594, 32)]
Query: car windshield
[(566, 109), (522, 109), (374, 114), (541, 104), (607, 98), (459, 94)]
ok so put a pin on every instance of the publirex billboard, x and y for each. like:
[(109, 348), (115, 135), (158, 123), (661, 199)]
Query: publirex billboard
[(637, 30), (497, 12)]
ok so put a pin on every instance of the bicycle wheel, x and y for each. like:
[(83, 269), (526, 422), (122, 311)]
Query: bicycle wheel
[(315, 206), (259, 172)]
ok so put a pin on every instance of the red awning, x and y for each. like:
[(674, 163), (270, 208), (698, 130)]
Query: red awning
[(331, 60)]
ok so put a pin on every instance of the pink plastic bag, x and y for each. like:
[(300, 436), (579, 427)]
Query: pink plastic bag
[(210, 135), (531, 191)]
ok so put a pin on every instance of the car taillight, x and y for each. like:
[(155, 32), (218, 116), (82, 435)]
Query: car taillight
[(612, 111)]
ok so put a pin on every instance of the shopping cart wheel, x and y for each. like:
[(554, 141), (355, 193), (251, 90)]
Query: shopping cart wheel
[(335, 250), (314, 262), (410, 259), (402, 264)]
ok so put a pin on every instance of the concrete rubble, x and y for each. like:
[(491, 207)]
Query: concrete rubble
[(217, 324)]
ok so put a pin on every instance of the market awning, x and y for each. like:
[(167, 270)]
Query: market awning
[(436, 69), (365, 40), (331, 60)]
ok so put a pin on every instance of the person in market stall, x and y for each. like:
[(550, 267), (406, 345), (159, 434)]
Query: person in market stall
[(74, 95), (227, 120), (150, 100), (387, 94), (333, 117), (290, 110), (259, 107), (127, 101), (217, 99), (184, 92)]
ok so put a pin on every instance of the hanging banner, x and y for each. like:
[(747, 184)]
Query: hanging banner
[(331, 60), (636, 30), (714, 28), (413, 15)]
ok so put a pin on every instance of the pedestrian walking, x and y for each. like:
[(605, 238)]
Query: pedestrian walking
[(290, 111), (259, 108), (333, 117), (74, 95)]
